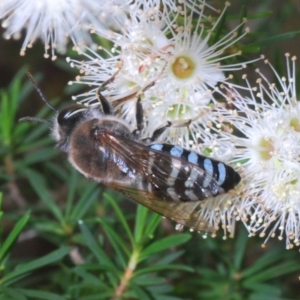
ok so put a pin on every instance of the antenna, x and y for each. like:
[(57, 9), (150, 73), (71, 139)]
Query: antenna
[(39, 92), (35, 120)]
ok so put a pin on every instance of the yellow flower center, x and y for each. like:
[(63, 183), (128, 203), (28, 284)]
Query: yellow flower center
[(267, 145), (295, 124), (177, 111), (183, 67)]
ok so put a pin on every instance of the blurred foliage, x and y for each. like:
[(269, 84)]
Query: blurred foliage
[(86, 242)]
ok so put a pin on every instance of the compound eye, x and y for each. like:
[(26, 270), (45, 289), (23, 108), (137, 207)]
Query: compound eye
[(71, 115)]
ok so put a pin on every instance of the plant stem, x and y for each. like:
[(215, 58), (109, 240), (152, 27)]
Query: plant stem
[(127, 274), (12, 185)]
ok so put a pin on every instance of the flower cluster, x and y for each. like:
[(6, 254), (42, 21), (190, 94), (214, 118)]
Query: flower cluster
[(269, 150), (172, 63), (56, 21), (178, 60)]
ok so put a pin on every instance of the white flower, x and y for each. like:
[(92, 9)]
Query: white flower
[(171, 62), (55, 21), (95, 71), (269, 151), (196, 5)]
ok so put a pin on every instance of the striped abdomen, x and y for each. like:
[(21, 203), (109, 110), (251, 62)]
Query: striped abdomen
[(192, 177)]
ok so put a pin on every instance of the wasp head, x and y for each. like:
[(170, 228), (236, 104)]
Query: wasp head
[(68, 119)]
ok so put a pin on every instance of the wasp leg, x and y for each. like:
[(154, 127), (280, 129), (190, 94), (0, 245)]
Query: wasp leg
[(139, 113), (158, 132), (105, 105), (139, 116)]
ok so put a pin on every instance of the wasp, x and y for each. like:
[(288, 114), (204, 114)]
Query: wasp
[(167, 179)]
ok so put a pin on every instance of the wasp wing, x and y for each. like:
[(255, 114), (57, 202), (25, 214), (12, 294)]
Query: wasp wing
[(176, 178), (184, 213), (153, 176)]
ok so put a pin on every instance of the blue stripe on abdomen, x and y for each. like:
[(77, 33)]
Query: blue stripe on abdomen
[(222, 173), (176, 151), (216, 172)]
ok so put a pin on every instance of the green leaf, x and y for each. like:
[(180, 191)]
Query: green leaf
[(41, 142), (266, 296), (153, 269), (34, 133), (13, 236), (242, 16), (5, 119), (140, 292), (97, 296), (11, 294), (9, 105), (259, 15), (250, 49), (271, 257), (240, 248), (165, 243), (219, 28), (262, 288), (50, 227), (99, 253), (38, 156), (34, 294), (88, 198), (160, 289), (274, 272), (166, 297), (117, 242), (169, 258), (72, 182), (22, 269), (209, 273), (121, 216), (38, 183), (90, 278), (59, 171), (146, 280), (140, 222), (152, 224), (274, 39), (1, 198)]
